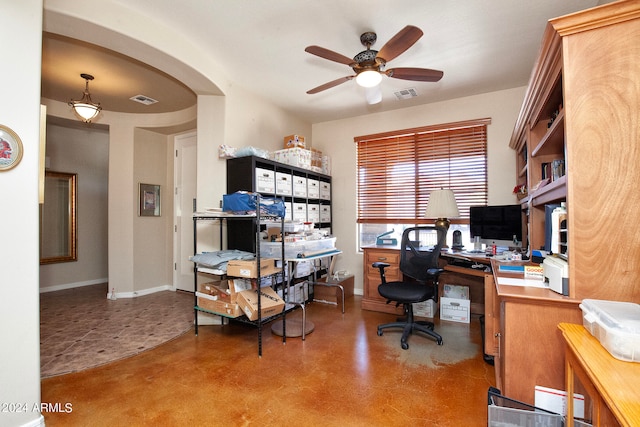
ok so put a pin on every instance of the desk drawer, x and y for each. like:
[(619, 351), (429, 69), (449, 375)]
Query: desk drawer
[(390, 257)]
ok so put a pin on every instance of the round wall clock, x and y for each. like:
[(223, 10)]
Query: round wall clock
[(10, 149)]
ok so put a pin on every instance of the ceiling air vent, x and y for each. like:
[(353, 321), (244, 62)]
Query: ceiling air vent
[(406, 94), (143, 99)]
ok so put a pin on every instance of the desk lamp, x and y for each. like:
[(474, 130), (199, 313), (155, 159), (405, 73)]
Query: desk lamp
[(442, 205)]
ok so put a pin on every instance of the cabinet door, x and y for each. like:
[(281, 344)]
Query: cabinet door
[(532, 347)]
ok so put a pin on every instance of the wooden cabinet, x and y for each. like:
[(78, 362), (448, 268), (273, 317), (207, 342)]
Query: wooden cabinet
[(582, 106), (371, 300), (521, 333)]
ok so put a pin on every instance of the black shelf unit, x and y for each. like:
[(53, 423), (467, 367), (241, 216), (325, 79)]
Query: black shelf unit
[(277, 278), (242, 175)]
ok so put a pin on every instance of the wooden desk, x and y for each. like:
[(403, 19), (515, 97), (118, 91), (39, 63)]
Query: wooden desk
[(521, 331), (371, 300), (611, 385)]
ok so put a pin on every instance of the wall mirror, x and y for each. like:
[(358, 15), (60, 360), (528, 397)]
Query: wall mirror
[(58, 227)]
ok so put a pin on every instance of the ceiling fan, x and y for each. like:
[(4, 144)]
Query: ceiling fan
[(369, 64)]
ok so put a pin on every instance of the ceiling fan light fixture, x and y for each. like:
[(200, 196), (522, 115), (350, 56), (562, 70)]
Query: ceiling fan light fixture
[(369, 78), (84, 108)]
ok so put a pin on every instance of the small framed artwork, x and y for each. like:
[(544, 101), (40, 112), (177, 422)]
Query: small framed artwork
[(149, 200), (10, 149)]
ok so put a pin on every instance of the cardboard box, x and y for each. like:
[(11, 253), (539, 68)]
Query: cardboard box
[(316, 158), (427, 308), (294, 141), (249, 268), (227, 290), (298, 157), (270, 303), (217, 288), (213, 304), (455, 309), (332, 293)]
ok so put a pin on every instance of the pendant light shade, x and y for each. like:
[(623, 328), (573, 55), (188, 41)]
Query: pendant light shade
[(84, 108)]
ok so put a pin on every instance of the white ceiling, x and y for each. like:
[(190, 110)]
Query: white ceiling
[(480, 45)]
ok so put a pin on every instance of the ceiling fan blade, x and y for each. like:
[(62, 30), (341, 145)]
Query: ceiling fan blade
[(416, 74), (329, 54), (400, 42), (329, 85)]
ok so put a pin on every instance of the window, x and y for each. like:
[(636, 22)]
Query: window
[(397, 171)]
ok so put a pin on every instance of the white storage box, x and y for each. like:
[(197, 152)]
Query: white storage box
[(313, 212), (616, 325), (284, 184), (313, 188), (265, 181), (325, 213), (299, 212), (288, 213), (427, 308), (325, 190), (455, 305), (300, 186)]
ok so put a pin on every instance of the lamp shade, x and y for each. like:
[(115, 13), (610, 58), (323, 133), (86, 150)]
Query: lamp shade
[(442, 204)]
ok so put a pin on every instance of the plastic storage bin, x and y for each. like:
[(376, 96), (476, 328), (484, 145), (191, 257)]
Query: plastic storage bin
[(506, 412), (616, 325), (293, 249)]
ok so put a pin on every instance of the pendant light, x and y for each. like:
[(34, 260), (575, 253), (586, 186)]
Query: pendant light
[(84, 108)]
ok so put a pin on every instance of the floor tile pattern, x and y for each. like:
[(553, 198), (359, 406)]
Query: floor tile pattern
[(80, 328)]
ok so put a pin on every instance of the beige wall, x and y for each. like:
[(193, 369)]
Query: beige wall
[(19, 260), (336, 139), (152, 244), (85, 152)]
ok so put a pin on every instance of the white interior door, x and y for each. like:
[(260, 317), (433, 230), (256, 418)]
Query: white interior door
[(184, 202)]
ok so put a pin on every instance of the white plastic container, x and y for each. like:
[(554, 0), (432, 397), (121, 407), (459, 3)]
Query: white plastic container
[(293, 249), (616, 325)]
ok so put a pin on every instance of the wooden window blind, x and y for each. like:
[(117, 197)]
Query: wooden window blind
[(397, 171)]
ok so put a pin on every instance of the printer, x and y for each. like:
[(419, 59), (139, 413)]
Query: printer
[(556, 273)]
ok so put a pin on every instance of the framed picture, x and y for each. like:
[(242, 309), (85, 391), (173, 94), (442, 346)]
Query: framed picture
[(149, 200), (10, 149)]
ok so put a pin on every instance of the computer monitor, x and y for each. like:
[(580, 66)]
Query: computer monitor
[(496, 224)]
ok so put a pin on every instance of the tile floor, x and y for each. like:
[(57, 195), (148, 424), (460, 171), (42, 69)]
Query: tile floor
[(80, 328)]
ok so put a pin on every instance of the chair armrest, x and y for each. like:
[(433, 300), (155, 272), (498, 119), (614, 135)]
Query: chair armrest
[(380, 265), (435, 271)]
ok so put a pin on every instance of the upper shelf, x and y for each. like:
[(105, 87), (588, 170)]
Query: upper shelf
[(553, 141), (552, 192)]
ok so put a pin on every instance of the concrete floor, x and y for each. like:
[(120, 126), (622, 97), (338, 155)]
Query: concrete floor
[(343, 374)]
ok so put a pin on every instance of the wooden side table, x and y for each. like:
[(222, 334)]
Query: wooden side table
[(611, 385)]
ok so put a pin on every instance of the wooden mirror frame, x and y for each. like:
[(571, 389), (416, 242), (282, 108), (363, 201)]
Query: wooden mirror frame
[(58, 218)]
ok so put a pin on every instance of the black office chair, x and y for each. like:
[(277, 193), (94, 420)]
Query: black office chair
[(421, 265)]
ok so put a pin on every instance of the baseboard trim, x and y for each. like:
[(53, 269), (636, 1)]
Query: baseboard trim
[(141, 292), (109, 295), (73, 285)]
